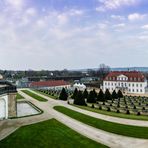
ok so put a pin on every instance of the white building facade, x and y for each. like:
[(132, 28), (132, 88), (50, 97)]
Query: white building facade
[(127, 82)]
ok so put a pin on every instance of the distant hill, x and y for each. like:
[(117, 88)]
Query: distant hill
[(142, 69)]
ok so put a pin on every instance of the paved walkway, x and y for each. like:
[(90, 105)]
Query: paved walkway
[(112, 140)]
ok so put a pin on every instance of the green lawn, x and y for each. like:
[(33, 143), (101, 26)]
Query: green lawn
[(126, 130), (35, 96), (50, 96), (120, 115), (18, 96), (47, 134)]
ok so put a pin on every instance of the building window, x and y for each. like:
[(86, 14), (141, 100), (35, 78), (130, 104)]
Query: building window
[(129, 85), (137, 85), (108, 84), (137, 90), (129, 90), (133, 85), (133, 90), (134, 79), (140, 85), (141, 90)]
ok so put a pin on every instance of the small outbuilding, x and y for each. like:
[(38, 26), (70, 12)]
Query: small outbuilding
[(79, 86)]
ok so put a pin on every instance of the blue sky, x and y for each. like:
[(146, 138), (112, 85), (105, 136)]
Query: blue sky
[(58, 34)]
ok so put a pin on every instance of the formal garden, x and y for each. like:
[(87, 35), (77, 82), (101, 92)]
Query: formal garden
[(114, 104)]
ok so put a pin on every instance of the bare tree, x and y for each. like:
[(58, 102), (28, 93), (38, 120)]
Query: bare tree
[(103, 71)]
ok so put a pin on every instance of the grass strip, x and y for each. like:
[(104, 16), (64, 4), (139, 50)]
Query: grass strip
[(50, 133), (50, 96), (116, 128), (18, 96), (114, 114), (35, 96)]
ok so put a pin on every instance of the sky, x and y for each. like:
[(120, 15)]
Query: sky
[(73, 34)]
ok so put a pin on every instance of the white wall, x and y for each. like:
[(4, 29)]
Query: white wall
[(5, 98), (133, 87)]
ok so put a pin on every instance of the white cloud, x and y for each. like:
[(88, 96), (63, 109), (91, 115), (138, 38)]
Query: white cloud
[(15, 3), (119, 25), (143, 37), (75, 12), (145, 27), (114, 4), (31, 11), (136, 16), (62, 19), (100, 9), (118, 17)]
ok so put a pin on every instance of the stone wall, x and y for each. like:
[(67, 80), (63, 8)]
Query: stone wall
[(12, 105)]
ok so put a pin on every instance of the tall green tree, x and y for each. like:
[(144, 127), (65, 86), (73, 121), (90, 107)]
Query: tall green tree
[(108, 96), (91, 97), (114, 95), (79, 100), (101, 96), (85, 94), (95, 93), (120, 95), (63, 95), (75, 93)]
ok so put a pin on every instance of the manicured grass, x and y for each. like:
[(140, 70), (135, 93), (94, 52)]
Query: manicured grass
[(35, 96), (50, 96), (47, 134), (120, 115), (126, 130), (18, 96)]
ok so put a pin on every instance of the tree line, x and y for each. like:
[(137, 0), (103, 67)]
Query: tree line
[(81, 97)]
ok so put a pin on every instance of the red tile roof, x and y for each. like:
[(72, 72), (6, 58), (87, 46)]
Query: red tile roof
[(133, 76), (51, 83)]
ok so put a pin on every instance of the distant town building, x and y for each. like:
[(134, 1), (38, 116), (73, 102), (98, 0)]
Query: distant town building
[(22, 83), (126, 81), (52, 84), (79, 86), (89, 79), (8, 106)]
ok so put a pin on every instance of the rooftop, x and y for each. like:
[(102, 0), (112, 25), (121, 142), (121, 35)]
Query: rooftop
[(133, 76), (51, 83)]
